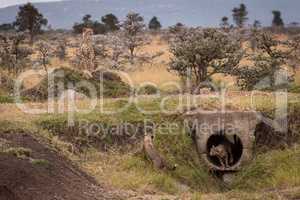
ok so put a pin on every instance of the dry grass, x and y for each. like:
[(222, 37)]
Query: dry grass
[(155, 72), (125, 171), (297, 77), (233, 100), (158, 75), (292, 193)]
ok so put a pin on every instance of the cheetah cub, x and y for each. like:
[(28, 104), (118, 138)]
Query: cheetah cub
[(223, 152)]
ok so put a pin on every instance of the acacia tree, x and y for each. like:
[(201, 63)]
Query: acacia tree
[(270, 56), (175, 29), (224, 23), (133, 27), (7, 27), (110, 22), (239, 15), (87, 22), (256, 24), (204, 52), (30, 19), (154, 24), (277, 20)]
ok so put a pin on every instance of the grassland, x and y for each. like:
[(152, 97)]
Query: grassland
[(124, 166), (121, 163)]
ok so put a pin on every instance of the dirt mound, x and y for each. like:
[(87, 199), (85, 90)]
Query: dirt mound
[(267, 137), (95, 133), (6, 194), (30, 170), (64, 78)]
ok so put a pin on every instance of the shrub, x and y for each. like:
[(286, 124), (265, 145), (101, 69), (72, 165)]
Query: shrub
[(148, 90), (113, 86), (40, 163), (6, 99), (201, 53), (268, 61), (19, 152), (294, 88), (106, 75)]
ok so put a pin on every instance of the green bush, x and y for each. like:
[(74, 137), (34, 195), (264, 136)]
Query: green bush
[(10, 99), (294, 88), (40, 163), (112, 86), (148, 90), (19, 152), (6, 99)]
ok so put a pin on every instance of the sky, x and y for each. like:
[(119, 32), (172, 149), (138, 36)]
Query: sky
[(190, 12), (5, 3)]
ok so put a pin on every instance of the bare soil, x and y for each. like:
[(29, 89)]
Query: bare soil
[(60, 179)]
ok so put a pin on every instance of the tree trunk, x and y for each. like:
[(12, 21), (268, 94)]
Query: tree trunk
[(31, 38), (131, 55)]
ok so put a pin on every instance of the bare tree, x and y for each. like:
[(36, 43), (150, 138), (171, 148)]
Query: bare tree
[(117, 51), (239, 15), (133, 28), (30, 19), (224, 23), (109, 50)]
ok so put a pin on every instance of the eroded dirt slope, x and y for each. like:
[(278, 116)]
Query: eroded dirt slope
[(42, 173)]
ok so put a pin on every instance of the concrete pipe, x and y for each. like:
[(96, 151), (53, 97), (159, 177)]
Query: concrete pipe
[(216, 128)]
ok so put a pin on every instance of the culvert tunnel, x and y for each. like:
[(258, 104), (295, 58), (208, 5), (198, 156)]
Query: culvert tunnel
[(234, 143), (234, 130)]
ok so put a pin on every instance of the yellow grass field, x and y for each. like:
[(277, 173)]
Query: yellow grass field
[(129, 172), (155, 72)]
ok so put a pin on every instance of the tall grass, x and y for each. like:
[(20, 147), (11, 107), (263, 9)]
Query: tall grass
[(275, 169)]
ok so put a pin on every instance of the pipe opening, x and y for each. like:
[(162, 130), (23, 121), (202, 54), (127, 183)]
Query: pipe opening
[(227, 144)]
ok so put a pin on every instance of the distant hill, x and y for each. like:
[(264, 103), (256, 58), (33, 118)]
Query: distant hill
[(190, 12)]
